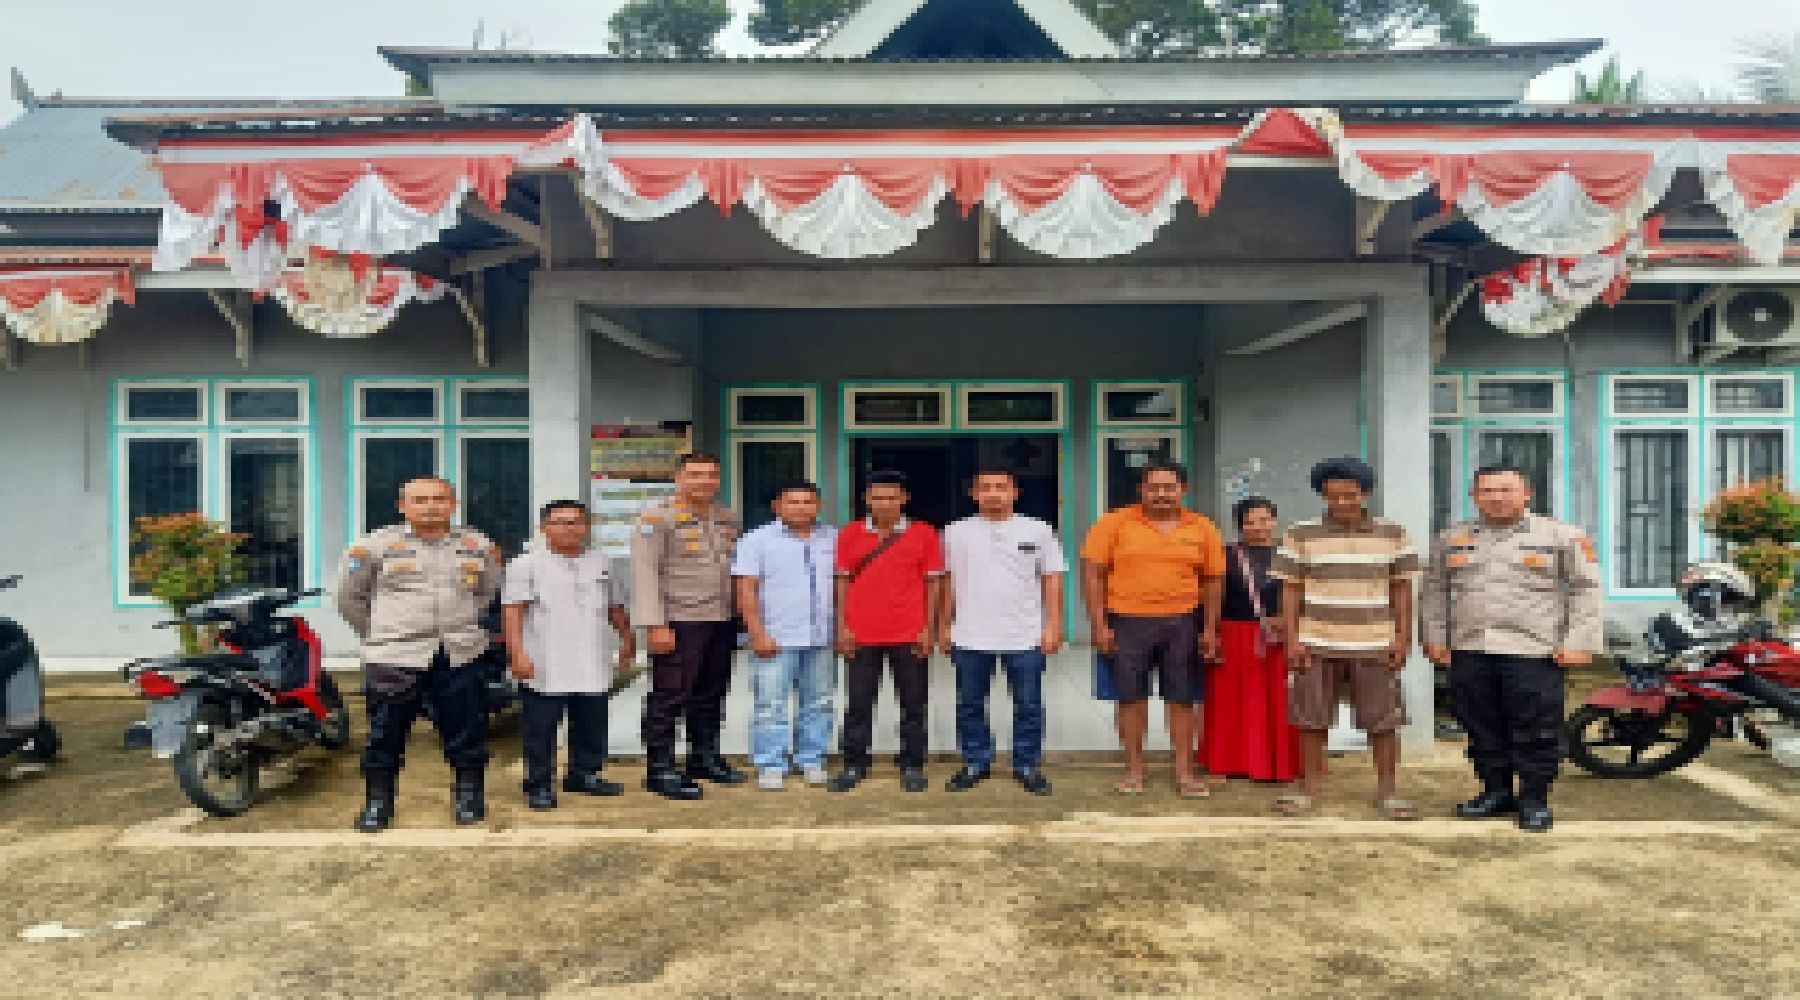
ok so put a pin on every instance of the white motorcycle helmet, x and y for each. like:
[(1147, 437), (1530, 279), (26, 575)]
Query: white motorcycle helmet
[(1711, 589)]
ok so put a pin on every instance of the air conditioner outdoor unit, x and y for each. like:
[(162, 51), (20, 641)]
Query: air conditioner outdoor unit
[(1754, 318)]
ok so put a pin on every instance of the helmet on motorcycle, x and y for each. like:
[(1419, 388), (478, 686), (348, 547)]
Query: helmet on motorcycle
[(1711, 588)]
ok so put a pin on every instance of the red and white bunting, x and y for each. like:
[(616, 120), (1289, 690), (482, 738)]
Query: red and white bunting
[(1546, 295), (1542, 189), (61, 305), (347, 297)]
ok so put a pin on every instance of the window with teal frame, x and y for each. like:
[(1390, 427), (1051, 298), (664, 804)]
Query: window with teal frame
[(1481, 417), (242, 451), (473, 431)]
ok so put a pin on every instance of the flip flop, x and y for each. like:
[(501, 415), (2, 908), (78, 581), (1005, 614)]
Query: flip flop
[(1129, 786), (1294, 805), (1193, 788), (1396, 809)]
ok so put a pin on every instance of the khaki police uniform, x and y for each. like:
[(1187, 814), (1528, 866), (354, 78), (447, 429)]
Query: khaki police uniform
[(417, 605), (681, 579), (1503, 598)]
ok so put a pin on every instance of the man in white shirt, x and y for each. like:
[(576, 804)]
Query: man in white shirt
[(561, 606), (1002, 603)]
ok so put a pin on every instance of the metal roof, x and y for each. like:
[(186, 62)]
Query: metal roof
[(415, 61), (144, 131)]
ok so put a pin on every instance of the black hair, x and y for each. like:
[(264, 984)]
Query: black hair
[(993, 470), (1242, 508), (886, 477), (1176, 468), (794, 486), (697, 458), (1346, 468), (556, 505), (1499, 469)]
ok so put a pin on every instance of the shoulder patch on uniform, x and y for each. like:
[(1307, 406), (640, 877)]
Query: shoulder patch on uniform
[(359, 552), (650, 517), (1587, 548)]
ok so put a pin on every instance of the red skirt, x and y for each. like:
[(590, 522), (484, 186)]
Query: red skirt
[(1246, 732)]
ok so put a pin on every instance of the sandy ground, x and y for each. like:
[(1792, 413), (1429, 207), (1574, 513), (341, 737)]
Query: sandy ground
[(1345, 908)]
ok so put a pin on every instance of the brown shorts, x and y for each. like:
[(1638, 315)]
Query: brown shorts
[(1373, 690)]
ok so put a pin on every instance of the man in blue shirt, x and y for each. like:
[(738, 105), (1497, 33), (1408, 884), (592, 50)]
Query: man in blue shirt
[(783, 574)]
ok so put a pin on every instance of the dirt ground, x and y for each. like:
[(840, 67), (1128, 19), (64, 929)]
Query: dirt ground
[(990, 893)]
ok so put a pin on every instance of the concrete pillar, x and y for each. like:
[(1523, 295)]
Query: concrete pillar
[(1397, 387), (560, 364)]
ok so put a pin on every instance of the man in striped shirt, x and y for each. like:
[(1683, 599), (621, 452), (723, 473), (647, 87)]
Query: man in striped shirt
[(1347, 601)]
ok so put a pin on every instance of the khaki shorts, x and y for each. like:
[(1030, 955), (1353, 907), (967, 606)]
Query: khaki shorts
[(1373, 690)]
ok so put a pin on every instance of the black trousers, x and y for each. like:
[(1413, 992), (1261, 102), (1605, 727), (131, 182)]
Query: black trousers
[(862, 683), (1512, 707), (690, 683), (541, 714), (459, 702)]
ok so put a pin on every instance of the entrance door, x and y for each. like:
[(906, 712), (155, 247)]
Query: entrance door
[(939, 469)]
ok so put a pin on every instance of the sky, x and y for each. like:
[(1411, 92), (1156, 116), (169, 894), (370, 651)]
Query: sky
[(326, 48)]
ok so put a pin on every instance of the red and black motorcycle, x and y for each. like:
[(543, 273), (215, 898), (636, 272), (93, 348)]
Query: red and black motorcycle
[(1712, 670), (224, 716)]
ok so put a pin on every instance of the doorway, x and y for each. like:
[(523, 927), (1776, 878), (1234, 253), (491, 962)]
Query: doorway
[(939, 470)]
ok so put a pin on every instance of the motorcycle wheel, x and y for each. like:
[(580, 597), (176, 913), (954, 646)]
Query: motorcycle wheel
[(44, 746), (1649, 744), (222, 783), (334, 732)]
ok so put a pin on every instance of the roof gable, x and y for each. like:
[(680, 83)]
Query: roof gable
[(962, 28)]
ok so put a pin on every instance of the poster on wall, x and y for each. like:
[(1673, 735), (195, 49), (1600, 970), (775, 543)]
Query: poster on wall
[(632, 467)]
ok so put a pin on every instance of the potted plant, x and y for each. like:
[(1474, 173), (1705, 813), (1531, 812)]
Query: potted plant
[(1759, 522), (184, 560)]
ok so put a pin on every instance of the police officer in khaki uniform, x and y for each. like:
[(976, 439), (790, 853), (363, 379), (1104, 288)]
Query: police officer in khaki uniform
[(414, 594), (1511, 599), (681, 595)]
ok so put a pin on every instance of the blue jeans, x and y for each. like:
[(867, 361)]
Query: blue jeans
[(810, 674), (1025, 679)]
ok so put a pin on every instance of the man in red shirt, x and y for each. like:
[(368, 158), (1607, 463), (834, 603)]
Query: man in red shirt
[(890, 571)]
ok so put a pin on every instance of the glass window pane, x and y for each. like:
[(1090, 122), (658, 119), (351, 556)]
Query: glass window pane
[(166, 403), (1143, 406), (162, 477), (1651, 396), (267, 490), (999, 406), (400, 402), (1515, 396), (1650, 469), (1745, 395), (1747, 456), (1443, 481), (1126, 457), (388, 463), (511, 402), (1444, 397), (1532, 452), (763, 466), (260, 403), (496, 475), (760, 409), (900, 408)]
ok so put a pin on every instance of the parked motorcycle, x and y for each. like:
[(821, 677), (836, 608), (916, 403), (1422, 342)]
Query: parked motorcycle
[(1710, 670), (23, 728), (224, 716)]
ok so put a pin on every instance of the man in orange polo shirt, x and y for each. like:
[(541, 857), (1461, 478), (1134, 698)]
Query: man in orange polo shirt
[(1145, 569)]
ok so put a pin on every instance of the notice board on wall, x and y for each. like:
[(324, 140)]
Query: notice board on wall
[(632, 466)]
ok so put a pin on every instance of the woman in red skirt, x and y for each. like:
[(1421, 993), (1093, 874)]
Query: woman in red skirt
[(1245, 733)]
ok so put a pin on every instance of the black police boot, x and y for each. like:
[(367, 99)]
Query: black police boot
[(591, 784), (378, 803), (706, 763), (1496, 799), (965, 778), (1033, 781), (912, 779), (470, 801), (1534, 807), (540, 797), (661, 777)]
